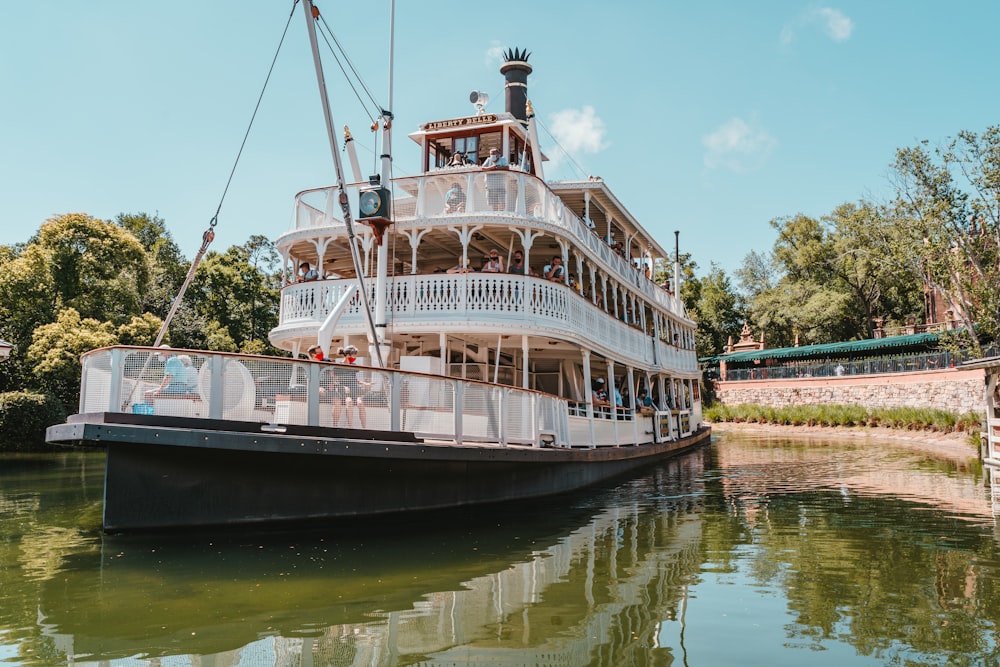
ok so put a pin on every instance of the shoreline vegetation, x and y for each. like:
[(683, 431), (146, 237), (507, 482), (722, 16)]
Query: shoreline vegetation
[(906, 422)]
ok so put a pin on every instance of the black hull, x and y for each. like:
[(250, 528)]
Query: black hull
[(178, 473)]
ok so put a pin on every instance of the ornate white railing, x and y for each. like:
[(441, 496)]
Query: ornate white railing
[(496, 302), (420, 199), (281, 391)]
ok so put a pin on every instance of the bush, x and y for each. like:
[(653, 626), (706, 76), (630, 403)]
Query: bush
[(913, 419), (24, 417)]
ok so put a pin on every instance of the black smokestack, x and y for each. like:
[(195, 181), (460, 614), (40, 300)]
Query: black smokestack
[(515, 70)]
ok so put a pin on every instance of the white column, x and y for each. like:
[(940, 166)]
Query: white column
[(588, 383), (524, 362), (631, 406), (612, 388)]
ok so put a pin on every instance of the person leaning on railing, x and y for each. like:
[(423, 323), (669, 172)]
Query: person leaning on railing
[(496, 187)]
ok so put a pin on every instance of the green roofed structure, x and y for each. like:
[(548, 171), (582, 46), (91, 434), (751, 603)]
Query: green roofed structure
[(851, 348), (873, 355)]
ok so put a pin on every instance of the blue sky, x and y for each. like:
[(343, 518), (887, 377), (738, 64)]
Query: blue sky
[(710, 118)]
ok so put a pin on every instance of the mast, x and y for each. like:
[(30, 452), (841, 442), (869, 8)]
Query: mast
[(312, 13), (382, 266)]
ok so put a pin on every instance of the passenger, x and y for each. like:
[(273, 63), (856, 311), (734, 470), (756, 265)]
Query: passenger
[(316, 353), (517, 264), (347, 394), (457, 160), (180, 377), (496, 186), (554, 270), (454, 199), (459, 268), (574, 283), (600, 394), (306, 273), (645, 402), (493, 263)]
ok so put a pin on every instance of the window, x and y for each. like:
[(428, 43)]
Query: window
[(469, 146)]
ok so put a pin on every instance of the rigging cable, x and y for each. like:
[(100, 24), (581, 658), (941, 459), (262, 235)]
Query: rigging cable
[(563, 150), (347, 77), (354, 70), (209, 235)]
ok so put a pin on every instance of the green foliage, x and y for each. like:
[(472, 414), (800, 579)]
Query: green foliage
[(233, 298), (96, 268), (25, 416), (168, 266), (82, 283), (916, 419), (140, 330), (944, 225), (823, 282), (74, 262), (716, 312), (56, 349)]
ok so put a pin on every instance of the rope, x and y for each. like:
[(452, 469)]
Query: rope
[(209, 235), (563, 150), (354, 70), (254, 116)]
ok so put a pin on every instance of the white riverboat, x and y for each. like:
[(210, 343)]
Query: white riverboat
[(473, 386)]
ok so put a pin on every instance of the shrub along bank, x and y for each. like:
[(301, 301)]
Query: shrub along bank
[(24, 417), (913, 419)]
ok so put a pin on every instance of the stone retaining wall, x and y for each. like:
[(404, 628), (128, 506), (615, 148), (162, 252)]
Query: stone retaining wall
[(954, 390)]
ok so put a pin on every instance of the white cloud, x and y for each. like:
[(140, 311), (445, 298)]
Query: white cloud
[(738, 146), (838, 26), (577, 131), (494, 54)]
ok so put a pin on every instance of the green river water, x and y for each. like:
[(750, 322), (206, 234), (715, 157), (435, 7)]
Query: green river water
[(756, 550)]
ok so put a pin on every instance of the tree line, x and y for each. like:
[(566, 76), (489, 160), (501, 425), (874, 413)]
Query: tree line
[(830, 279), (82, 283)]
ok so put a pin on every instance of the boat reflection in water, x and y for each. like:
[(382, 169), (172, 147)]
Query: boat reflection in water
[(595, 576)]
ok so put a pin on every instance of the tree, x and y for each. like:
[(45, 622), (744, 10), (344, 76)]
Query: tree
[(794, 294), (945, 224), (879, 288), (716, 312), (56, 349), (234, 298), (168, 267), (96, 267)]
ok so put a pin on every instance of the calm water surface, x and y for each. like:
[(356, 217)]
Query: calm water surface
[(754, 551)]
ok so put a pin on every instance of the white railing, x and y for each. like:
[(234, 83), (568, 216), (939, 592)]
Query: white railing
[(420, 199), (497, 302), (282, 391)]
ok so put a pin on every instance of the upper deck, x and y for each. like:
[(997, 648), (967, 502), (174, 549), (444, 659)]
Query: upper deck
[(460, 209), (534, 217)]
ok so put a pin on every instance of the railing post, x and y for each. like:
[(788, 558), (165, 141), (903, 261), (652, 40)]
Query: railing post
[(216, 389), (458, 407), (312, 396), (115, 390), (501, 421), (395, 402)]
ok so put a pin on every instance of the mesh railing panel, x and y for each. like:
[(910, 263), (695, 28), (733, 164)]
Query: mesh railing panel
[(187, 383)]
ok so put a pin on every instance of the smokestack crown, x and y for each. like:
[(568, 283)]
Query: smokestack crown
[(515, 70)]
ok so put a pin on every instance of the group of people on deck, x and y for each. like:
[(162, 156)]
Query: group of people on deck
[(345, 388), (496, 185), (180, 377), (602, 399)]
